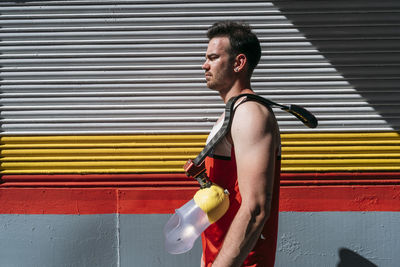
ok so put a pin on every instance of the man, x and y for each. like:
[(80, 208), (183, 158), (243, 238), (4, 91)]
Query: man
[(247, 161)]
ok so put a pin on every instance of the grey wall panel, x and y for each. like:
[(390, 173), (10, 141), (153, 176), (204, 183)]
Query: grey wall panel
[(339, 239), (341, 60), (58, 240), (142, 243), (311, 239)]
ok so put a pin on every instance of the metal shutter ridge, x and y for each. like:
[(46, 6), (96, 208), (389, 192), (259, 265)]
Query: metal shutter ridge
[(132, 67)]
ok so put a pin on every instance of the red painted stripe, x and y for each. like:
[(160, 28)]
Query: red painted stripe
[(151, 177), (193, 184), (99, 180), (144, 201), (92, 177), (340, 175), (165, 200), (340, 198), (180, 179), (57, 201), (340, 178), (341, 182)]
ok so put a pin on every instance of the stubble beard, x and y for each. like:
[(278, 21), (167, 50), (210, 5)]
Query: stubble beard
[(211, 85), (215, 86), (217, 83)]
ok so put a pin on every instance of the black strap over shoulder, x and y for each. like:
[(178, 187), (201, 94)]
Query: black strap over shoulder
[(196, 168), (229, 110)]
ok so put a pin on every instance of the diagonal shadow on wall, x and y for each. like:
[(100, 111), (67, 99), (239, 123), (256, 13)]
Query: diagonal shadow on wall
[(361, 39), (349, 258)]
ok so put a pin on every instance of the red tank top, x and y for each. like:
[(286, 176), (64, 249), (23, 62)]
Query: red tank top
[(221, 169)]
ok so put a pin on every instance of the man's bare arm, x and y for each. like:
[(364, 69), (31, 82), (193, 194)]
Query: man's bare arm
[(255, 139)]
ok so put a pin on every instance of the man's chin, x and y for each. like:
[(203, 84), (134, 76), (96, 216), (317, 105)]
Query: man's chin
[(211, 86)]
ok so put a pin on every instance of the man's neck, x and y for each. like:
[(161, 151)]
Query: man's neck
[(240, 85), (235, 91)]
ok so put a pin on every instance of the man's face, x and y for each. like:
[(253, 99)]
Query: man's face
[(218, 65)]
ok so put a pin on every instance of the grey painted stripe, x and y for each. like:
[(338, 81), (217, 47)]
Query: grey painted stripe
[(357, 239), (58, 240), (311, 239)]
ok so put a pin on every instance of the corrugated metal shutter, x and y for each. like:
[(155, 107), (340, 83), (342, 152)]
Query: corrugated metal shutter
[(114, 67)]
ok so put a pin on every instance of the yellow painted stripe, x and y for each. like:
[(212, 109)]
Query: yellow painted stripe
[(102, 138), (339, 142), (337, 136), (172, 163), (342, 156), (179, 170), (339, 149), (102, 145), (90, 164), (99, 158), (100, 152), (301, 152), (341, 169), (195, 150), (346, 162), (169, 166), (186, 156), (97, 171)]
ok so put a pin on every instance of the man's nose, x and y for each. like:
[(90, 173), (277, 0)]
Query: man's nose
[(205, 66)]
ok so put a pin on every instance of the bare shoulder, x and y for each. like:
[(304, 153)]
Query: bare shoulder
[(252, 108), (254, 120)]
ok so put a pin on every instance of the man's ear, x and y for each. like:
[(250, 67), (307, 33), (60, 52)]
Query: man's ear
[(240, 62)]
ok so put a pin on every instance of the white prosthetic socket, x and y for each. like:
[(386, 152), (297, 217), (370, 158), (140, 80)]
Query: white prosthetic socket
[(189, 221)]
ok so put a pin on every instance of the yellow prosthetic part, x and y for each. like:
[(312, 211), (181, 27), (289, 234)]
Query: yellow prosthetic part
[(214, 201)]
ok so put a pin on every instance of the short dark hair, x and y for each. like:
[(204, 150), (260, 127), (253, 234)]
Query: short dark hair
[(241, 38)]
